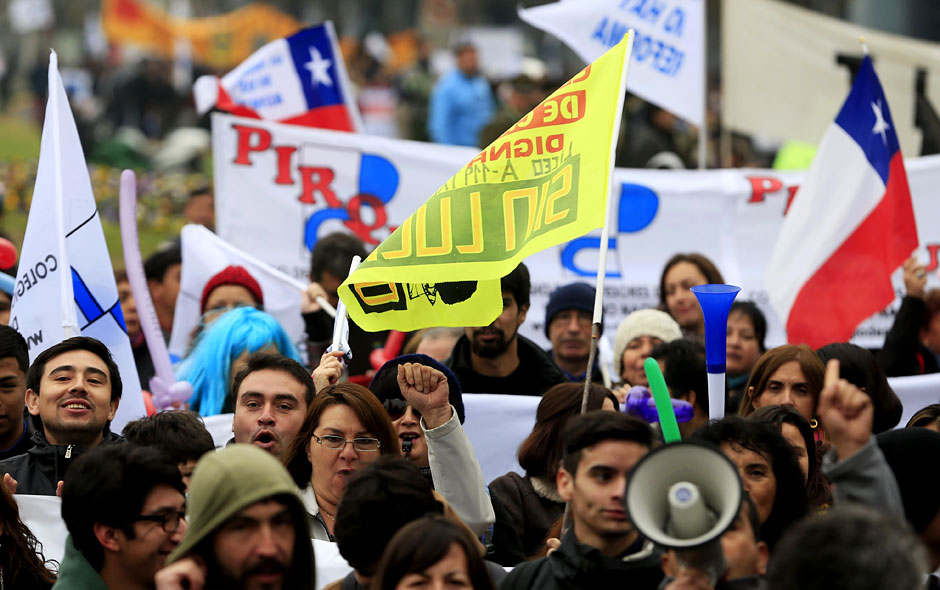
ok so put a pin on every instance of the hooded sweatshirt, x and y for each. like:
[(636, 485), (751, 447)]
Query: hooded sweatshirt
[(232, 479)]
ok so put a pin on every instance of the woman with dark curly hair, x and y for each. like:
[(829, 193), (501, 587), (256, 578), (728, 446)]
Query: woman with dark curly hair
[(22, 565), (768, 468), (431, 552), (794, 427)]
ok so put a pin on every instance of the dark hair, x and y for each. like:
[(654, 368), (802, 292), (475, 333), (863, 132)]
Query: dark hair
[(587, 430), (518, 283), (818, 491), (859, 367), (12, 344), (199, 191), (704, 265), (850, 547), (377, 502), (926, 416), (758, 320), (684, 369), (333, 253), (109, 484), (366, 407), (763, 438), (22, 561), (180, 435), (422, 543), (156, 267), (768, 363), (540, 453), (267, 361), (36, 370)]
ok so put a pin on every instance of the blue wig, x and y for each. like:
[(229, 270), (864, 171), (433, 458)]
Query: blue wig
[(208, 367)]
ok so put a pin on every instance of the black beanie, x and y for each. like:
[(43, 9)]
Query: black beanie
[(914, 455), (578, 296)]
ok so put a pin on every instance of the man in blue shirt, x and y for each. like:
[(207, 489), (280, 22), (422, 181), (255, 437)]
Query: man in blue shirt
[(461, 102)]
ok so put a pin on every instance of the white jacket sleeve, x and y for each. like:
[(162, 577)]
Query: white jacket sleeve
[(457, 475)]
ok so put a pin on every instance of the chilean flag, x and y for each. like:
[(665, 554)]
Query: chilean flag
[(850, 225), (298, 80)]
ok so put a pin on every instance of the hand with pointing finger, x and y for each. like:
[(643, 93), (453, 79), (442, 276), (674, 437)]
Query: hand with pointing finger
[(846, 413)]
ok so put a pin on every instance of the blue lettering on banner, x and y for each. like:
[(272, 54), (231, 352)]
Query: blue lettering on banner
[(648, 10), (269, 100), (35, 274), (573, 247), (675, 22), (609, 32), (663, 57)]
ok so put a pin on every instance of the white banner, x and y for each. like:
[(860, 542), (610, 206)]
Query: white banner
[(669, 54), (782, 77), (731, 216)]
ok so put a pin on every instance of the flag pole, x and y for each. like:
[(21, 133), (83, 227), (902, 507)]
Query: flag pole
[(69, 321), (602, 256), (605, 229)]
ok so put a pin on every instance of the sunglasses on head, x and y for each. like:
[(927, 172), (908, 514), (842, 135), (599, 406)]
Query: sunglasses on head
[(396, 408)]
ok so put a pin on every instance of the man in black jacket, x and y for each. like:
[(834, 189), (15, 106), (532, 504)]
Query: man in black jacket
[(601, 549), (74, 388), (495, 358)]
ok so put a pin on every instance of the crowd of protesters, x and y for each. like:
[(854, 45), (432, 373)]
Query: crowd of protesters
[(376, 460)]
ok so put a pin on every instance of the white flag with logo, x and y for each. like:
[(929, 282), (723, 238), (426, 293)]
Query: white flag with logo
[(668, 56), (64, 283)]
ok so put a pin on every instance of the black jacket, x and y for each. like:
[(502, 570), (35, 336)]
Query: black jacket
[(26, 440), (39, 470), (903, 353), (535, 375), (575, 566)]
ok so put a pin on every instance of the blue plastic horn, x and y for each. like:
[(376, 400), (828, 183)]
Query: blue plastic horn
[(716, 301)]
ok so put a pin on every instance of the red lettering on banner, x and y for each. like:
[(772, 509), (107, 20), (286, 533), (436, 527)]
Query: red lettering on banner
[(932, 263), (317, 179), (791, 192), (761, 185), (284, 153), (245, 133), (355, 223), (555, 110), (521, 148)]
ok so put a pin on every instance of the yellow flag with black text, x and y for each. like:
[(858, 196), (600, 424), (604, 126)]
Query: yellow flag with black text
[(541, 183)]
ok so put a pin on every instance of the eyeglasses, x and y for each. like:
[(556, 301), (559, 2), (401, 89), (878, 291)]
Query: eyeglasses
[(396, 408), (332, 441), (169, 519)]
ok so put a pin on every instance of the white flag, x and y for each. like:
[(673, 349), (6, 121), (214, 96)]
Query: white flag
[(64, 283), (668, 56), (204, 255)]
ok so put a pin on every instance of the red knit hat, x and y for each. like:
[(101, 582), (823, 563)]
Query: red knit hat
[(232, 275)]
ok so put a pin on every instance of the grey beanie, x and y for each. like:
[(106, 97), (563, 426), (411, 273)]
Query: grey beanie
[(643, 322)]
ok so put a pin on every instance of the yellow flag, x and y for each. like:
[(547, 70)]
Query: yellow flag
[(542, 183)]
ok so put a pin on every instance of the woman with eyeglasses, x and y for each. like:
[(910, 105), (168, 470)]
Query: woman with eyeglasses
[(345, 429)]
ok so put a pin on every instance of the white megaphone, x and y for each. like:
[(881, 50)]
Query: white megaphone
[(684, 496)]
